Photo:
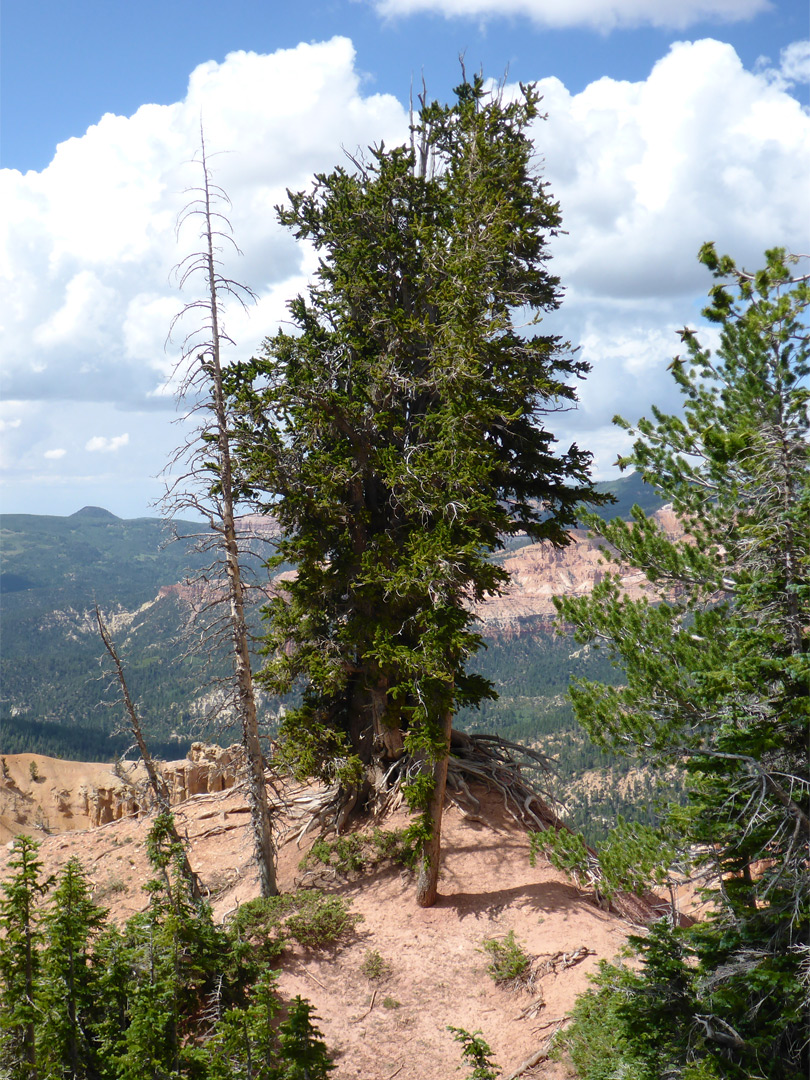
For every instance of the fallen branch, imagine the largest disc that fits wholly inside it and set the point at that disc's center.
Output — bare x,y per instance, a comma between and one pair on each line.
557,1020
563,960
368,1010
531,1010
529,1063
538,1055
220,829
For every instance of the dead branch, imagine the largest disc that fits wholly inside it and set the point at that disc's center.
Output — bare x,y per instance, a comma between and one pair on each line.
532,1009
559,961
529,1063
156,780
538,1055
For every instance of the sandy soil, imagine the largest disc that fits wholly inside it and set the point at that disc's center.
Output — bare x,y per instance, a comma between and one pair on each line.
395,1026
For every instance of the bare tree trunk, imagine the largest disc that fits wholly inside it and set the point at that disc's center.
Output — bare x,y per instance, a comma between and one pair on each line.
428,880
222,520
156,781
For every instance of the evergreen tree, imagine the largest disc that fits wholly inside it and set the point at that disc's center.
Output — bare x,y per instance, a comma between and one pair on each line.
175,954
170,996
113,972
400,435
245,1040
718,679
303,1052
20,957
69,994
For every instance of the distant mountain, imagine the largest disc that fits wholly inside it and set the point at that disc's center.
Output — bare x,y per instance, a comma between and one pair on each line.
97,512
54,571
628,491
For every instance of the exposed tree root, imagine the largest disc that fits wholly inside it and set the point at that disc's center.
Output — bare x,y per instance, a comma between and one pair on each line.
498,763
490,760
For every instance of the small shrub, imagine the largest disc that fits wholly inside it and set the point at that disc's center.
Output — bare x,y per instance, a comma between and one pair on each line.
110,887
307,916
509,962
356,852
320,920
345,854
476,1052
374,966
393,844
391,1003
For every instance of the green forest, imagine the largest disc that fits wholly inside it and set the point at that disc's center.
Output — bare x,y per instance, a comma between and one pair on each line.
401,435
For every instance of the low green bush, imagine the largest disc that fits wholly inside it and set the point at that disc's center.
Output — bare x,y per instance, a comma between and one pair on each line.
476,1052
509,962
357,852
319,919
309,916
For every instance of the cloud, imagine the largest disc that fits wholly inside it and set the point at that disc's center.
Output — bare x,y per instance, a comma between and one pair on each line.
91,239
54,455
795,62
648,171
101,444
793,67
603,15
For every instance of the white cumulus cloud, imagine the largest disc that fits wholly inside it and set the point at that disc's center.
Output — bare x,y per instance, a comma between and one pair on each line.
646,172
104,445
55,455
601,15
795,62
90,241
793,66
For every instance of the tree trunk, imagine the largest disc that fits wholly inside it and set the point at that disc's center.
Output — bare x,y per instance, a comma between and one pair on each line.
388,741
264,846
427,882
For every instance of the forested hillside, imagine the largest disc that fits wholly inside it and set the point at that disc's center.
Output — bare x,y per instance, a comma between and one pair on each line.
54,688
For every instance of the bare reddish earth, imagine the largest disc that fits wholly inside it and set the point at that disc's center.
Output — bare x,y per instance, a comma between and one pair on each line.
395,1027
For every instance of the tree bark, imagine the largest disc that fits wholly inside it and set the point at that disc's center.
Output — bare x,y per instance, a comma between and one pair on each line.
428,880
387,737
264,846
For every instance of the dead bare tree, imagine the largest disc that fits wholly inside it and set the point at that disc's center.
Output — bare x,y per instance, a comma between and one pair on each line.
155,777
205,485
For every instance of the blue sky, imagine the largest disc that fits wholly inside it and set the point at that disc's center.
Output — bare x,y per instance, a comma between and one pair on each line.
65,63
659,136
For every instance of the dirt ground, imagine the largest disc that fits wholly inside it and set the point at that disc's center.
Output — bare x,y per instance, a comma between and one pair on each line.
436,976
